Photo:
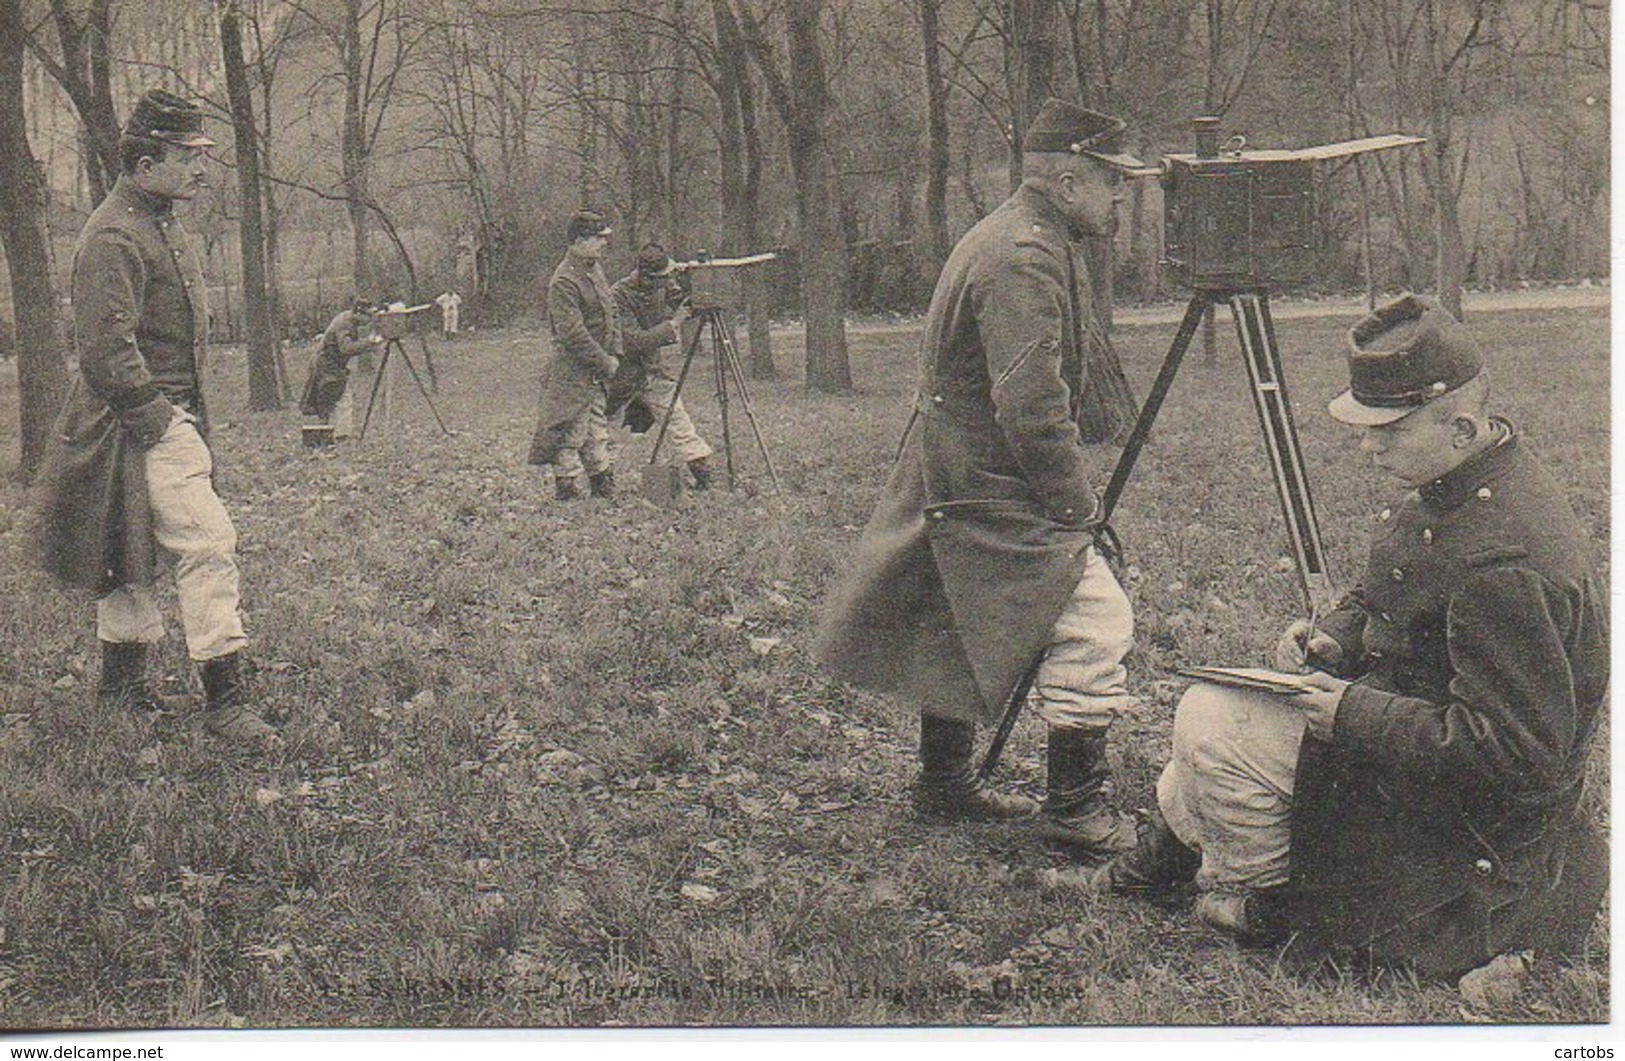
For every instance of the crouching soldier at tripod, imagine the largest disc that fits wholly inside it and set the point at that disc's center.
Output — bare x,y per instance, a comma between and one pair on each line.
327,394
981,556
1421,805
129,473
572,430
651,313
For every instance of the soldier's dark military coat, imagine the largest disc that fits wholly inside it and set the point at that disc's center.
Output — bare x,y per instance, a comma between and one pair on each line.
1438,826
140,329
329,372
586,352
978,542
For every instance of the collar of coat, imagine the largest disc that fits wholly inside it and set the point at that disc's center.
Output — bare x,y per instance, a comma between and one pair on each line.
140,202
1050,214
1465,479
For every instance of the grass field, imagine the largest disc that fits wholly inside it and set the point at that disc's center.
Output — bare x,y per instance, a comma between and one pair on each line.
571,764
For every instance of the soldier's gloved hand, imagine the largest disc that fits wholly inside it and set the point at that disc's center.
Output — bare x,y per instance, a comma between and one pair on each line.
1301,641
147,422
614,367
681,315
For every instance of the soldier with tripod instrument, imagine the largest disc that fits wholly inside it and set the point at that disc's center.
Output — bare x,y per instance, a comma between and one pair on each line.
651,308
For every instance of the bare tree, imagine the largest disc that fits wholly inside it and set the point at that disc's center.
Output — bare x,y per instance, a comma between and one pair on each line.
82,66
938,160
42,378
802,98
264,390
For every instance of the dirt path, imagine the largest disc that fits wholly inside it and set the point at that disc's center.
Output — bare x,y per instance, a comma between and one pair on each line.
1350,306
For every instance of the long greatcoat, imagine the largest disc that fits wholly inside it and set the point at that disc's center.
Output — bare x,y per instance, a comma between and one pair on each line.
586,352
140,329
978,540
1439,827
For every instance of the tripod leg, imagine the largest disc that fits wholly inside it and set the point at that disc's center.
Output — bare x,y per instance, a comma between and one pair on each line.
372,396
1194,312
421,389
718,366
1256,331
731,351
676,392
428,363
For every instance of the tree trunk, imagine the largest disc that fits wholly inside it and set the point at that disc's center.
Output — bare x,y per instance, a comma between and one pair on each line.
1029,71
85,74
741,160
823,252
938,159
42,376
353,151
258,332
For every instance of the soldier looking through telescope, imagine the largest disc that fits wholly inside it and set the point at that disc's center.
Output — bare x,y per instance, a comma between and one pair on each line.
651,309
327,394
978,574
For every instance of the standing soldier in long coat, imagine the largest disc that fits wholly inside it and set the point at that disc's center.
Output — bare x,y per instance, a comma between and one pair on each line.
572,431
129,472
980,561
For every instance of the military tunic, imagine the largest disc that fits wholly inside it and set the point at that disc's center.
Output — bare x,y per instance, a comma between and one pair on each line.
140,317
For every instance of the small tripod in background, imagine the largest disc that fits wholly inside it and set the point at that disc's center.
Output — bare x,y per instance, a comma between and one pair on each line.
710,280
392,327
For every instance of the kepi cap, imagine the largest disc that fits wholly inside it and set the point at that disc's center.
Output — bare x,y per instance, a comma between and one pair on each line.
1402,356
1067,128
584,223
654,261
164,116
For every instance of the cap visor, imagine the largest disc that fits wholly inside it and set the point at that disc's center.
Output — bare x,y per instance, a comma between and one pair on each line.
185,139
1346,409
1117,160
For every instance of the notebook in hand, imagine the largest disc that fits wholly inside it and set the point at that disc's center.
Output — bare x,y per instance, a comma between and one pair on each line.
1269,681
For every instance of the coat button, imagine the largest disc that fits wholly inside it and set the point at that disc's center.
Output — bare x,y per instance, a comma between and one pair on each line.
1427,536
1483,867
1387,617
1397,574
937,399
937,514
1385,515
1484,493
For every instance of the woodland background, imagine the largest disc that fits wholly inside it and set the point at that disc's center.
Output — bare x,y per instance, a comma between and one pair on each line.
403,147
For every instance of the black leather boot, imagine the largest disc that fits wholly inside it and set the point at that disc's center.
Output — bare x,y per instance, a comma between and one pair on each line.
948,789
567,489
602,484
1253,917
1159,861
226,713
700,469
1076,809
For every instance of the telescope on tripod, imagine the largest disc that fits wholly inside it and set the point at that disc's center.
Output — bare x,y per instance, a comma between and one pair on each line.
714,286
393,325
